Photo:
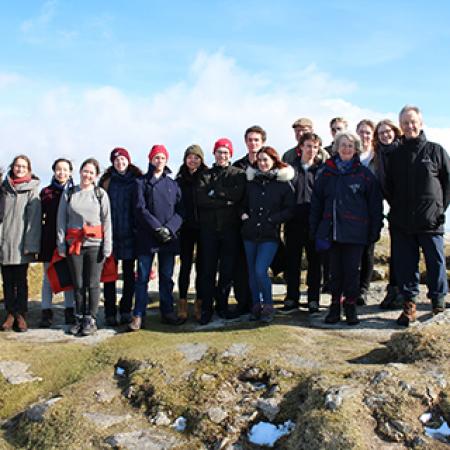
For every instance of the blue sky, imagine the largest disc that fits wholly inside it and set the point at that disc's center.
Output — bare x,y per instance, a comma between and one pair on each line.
78,78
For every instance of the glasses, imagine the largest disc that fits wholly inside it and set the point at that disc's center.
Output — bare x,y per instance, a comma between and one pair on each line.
20,166
336,130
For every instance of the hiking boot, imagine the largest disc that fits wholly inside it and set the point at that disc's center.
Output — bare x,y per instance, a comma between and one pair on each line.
205,317
351,317
88,326
393,298
21,323
75,328
267,313
135,324
289,307
171,319
198,309
125,318
313,307
334,313
8,323
69,316
46,318
438,305
361,300
408,314
111,321
256,312
182,309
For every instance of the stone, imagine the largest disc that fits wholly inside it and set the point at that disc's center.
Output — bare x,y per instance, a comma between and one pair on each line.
36,412
207,378
378,274
269,407
144,440
104,396
236,350
217,414
302,363
380,376
16,372
161,419
105,420
193,352
333,401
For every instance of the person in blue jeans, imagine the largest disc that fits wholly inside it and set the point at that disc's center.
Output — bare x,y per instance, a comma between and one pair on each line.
269,202
158,220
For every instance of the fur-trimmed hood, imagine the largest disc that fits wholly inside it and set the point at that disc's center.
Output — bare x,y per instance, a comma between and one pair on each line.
284,174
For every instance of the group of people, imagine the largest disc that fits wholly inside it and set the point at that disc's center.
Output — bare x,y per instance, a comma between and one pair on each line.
233,222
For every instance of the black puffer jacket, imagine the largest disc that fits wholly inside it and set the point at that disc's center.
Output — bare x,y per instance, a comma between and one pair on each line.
269,202
220,194
418,186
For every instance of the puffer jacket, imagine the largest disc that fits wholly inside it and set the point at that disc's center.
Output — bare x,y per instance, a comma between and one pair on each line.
418,186
158,204
346,207
121,192
269,202
21,227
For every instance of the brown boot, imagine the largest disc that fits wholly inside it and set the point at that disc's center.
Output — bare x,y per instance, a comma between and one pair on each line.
21,323
8,323
198,309
182,309
135,324
408,314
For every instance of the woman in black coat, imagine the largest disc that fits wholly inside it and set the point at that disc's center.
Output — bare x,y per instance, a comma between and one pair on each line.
269,202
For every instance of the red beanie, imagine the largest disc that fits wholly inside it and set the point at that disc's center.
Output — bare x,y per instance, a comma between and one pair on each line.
119,151
158,149
223,142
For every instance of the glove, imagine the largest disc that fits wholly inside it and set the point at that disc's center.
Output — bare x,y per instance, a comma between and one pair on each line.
163,235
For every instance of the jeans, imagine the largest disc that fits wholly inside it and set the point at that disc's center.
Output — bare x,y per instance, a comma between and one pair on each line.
47,294
15,288
166,263
406,253
86,269
109,290
259,256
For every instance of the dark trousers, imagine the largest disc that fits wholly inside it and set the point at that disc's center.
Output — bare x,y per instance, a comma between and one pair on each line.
325,266
86,269
392,278
15,288
366,267
241,284
189,244
298,240
218,252
345,260
109,290
406,252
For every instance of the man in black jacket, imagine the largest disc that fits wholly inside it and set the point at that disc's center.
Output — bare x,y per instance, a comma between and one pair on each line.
220,193
418,190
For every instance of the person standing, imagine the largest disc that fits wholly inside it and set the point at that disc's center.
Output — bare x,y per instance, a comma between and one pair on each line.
119,181
50,197
337,125
158,221
418,191
220,193
21,239
84,236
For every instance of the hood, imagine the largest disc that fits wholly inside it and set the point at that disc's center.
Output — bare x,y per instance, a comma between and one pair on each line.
284,174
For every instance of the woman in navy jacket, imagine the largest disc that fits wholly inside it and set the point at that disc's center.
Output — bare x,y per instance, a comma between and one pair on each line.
269,202
346,215
158,220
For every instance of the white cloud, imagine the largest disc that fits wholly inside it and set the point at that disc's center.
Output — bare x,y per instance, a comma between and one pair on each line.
217,99
45,16
9,79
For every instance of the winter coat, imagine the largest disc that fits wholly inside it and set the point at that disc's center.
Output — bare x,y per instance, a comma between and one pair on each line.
269,202
121,192
21,228
220,194
418,186
291,155
189,183
158,204
242,163
50,197
346,207
382,155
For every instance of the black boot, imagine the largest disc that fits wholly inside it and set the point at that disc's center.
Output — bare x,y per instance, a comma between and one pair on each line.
69,316
334,313
46,318
362,298
393,299
351,316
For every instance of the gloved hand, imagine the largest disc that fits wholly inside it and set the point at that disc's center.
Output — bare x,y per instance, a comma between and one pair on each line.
163,235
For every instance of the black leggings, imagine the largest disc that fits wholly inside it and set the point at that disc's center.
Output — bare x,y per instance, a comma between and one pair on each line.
86,269
189,239
15,288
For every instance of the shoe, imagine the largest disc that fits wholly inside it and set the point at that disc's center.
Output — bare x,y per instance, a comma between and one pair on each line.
21,323
111,321
289,307
198,309
46,318
69,316
408,314
393,298
313,307
438,305
171,319
125,318
256,312
361,300
8,323
135,324
334,313
75,329
182,309
205,317
89,326
351,316
267,313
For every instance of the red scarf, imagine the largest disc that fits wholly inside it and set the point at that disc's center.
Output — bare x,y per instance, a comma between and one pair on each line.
16,181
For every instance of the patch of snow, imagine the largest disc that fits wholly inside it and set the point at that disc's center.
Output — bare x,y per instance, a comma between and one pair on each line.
180,424
266,433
